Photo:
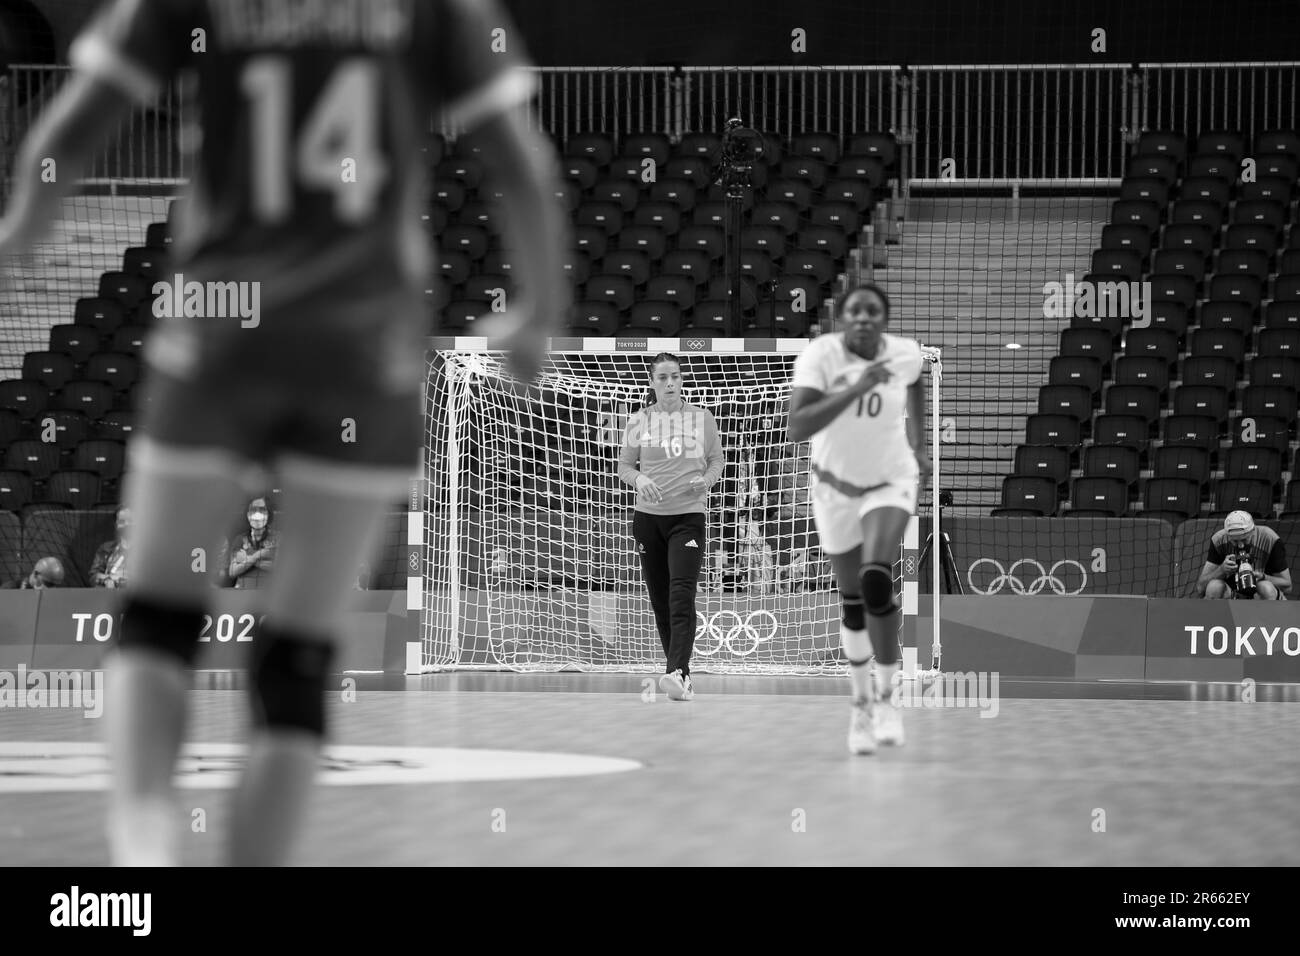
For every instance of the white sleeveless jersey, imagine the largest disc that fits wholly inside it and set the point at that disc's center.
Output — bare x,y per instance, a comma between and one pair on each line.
866,446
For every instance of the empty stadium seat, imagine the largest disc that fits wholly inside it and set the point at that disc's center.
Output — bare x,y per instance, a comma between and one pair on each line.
1153,343
1142,370
649,240
157,236
1141,401
1213,370
70,428
102,315
677,192
1164,143
1262,432
597,147
1269,401
1236,317
1264,464
1193,237
1281,371
1133,238
1201,400
76,489
700,145
51,369
26,398
665,217
779,319
11,426
129,290
1198,431
1029,494
117,370
37,459
1148,190
677,289
148,263
619,291
661,319
1044,461
1059,430
15,490
1279,342
595,319
1087,343
657,146
633,264
1110,461
1171,498
1074,401
1185,461
1075,370
1217,343
1244,494
710,240
1185,262
77,341
1100,497
1130,430
880,145
1152,166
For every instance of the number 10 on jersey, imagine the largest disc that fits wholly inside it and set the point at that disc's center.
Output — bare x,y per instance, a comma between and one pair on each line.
872,404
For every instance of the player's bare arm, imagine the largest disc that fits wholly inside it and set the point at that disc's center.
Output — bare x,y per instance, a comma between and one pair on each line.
916,425
527,177
811,411
55,154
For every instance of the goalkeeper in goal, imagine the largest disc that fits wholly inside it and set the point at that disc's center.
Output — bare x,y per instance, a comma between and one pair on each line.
672,455
857,394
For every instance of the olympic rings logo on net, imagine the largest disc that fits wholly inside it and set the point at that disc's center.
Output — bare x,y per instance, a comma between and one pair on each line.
1009,578
725,629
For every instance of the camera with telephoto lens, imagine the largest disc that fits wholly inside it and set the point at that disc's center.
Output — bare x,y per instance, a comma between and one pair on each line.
1244,579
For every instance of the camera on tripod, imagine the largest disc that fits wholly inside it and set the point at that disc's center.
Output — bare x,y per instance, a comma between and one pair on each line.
1244,580
742,147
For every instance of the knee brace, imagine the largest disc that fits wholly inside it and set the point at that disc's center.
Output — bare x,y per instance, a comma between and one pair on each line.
851,615
877,581
288,681
172,631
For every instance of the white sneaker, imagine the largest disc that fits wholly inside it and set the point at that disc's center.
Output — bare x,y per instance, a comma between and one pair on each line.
673,685
862,734
888,724
688,689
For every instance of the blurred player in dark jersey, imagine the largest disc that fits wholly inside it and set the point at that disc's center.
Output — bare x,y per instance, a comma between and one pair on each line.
290,334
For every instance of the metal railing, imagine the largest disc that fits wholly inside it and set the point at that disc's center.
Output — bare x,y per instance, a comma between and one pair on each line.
148,148
1013,121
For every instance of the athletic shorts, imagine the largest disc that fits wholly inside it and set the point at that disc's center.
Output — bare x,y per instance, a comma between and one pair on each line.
839,517
315,401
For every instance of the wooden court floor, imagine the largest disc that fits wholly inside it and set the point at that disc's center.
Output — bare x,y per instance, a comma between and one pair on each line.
753,772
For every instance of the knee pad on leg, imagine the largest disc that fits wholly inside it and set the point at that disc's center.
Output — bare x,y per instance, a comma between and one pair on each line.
877,582
164,629
851,613
288,680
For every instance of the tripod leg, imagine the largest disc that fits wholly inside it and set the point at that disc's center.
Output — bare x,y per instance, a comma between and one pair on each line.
950,565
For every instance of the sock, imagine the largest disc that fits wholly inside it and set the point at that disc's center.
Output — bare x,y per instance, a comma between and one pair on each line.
857,648
885,680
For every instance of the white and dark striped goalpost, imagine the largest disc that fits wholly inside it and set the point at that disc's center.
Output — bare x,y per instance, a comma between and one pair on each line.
912,546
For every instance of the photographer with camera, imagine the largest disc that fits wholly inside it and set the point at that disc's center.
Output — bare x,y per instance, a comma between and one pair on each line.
1244,562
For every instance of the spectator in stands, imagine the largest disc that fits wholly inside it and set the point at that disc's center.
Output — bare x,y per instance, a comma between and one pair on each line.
253,553
108,569
1245,562
47,573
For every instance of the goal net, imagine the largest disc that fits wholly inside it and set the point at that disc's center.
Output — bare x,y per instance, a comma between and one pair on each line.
529,561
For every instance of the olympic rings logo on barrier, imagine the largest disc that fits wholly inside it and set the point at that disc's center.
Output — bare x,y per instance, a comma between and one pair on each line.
1009,579
723,629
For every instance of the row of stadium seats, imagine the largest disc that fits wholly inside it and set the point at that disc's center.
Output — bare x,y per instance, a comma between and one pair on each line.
1170,499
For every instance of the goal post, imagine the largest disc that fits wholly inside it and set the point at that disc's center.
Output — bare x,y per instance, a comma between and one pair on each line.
528,560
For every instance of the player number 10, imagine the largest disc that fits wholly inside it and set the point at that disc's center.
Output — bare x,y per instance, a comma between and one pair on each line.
873,402
341,124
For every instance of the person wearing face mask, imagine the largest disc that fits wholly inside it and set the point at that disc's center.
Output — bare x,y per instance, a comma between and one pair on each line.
108,569
253,552
47,573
